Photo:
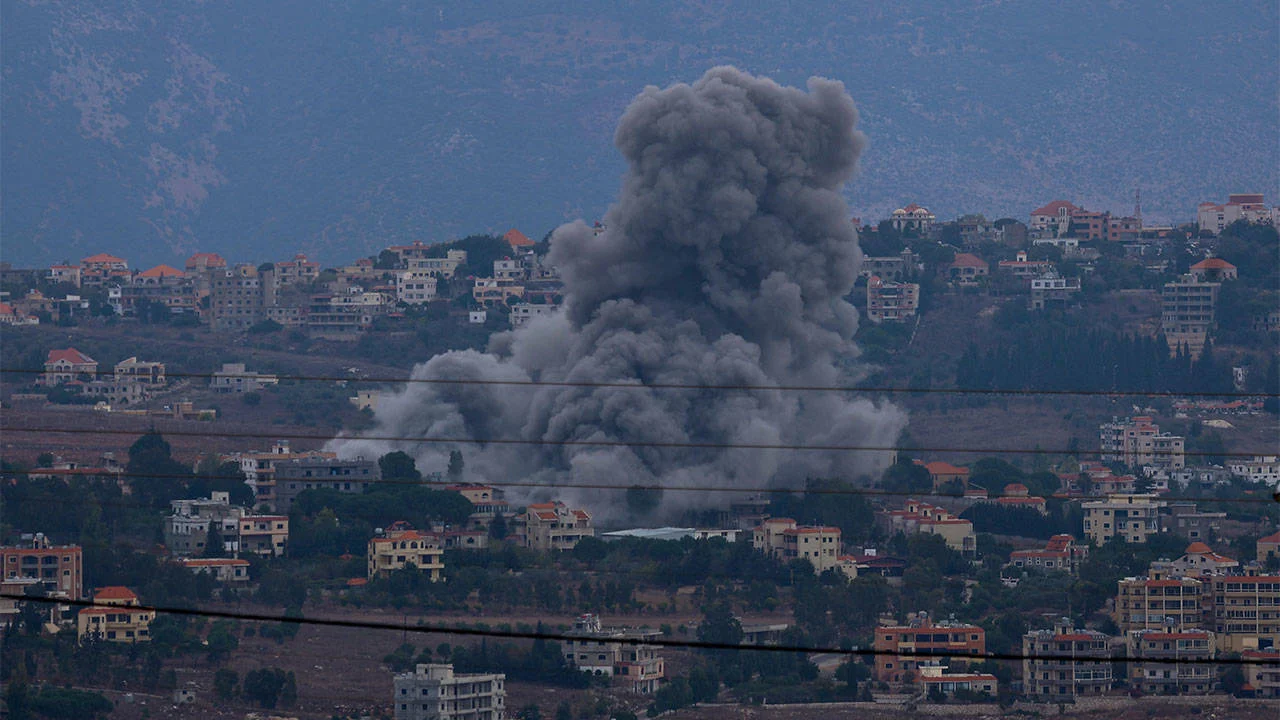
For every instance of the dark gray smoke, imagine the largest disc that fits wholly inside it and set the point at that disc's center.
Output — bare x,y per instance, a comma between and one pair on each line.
725,261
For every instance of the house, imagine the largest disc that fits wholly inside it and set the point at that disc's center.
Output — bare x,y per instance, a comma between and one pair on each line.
1053,219
259,468
1061,553
203,262
921,635
234,378
1066,662
263,534
517,240
1052,290
415,287
124,622
98,270
1138,442
943,473
1259,468
1023,268
1262,672
63,366
1157,601
224,570
1017,495
487,504
1214,270
912,218
402,547
891,268
523,313
594,649
552,526
891,301
69,274
1153,667
967,270
1269,549
1186,520
490,291
58,568
1250,207
922,517
1198,561
443,267
1131,517
935,680
783,539
143,372
192,521
434,692
297,271
295,476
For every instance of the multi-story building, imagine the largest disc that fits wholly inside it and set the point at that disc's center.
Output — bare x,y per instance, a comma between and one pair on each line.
415,287
1052,290
1138,442
1187,310
891,268
783,539
1133,518
922,517
434,692
891,301
1262,671
1214,269
63,366
402,547
186,530
967,270
552,526
1244,611
1066,662
522,313
1157,661
1061,553
490,291
898,647
102,269
69,274
619,653
259,468
235,298
1156,602
143,372
225,570
297,271
1250,207
487,504
124,622
292,477
1186,520
913,218
1199,561
162,285
263,534
235,378
1024,268
1259,468
58,568
1268,549
1054,219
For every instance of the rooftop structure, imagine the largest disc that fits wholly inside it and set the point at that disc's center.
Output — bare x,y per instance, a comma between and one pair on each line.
434,692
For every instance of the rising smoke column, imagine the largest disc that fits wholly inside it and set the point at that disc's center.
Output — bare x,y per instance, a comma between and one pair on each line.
725,261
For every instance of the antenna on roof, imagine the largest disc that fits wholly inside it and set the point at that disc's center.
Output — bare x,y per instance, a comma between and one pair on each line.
1137,203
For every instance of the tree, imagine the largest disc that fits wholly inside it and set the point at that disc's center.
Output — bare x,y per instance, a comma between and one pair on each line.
214,545
156,476
263,686
456,464
225,682
399,465
498,528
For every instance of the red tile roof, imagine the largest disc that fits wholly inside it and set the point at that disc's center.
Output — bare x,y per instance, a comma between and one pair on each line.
968,260
210,260
939,467
1213,263
1273,538
1198,548
6,309
114,592
516,239
162,271
70,355
102,258
1053,207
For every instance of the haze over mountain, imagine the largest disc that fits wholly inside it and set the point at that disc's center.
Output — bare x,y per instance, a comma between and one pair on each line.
255,130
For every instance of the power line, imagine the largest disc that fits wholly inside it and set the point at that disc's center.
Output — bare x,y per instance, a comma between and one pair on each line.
425,482
638,385
630,443
656,642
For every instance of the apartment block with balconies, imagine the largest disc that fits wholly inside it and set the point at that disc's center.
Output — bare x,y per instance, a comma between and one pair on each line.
1157,661
1066,662
434,692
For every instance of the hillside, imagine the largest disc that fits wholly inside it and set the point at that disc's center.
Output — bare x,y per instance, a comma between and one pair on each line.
151,129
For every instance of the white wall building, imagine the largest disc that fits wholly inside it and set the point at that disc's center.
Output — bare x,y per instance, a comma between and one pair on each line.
434,692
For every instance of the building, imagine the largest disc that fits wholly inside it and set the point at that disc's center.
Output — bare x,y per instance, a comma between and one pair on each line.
1269,550
400,548
1053,219
967,270
292,477
263,534
1214,270
297,271
491,291
236,297
1187,313
234,378
783,539
1052,290
1023,268
487,504
912,218
1186,520
921,635
224,570
1244,611
124,622
1066,662
1156,602
101,269
1133,518
442,267
943,473
552,526
1262,672
1138,442
58,568
259,468
892,268
518,241
1017,495
934,680
69,274
891,301
1250,207
434,692
1259,468
144,372
522,313
1062,553
922,517
1154,667
63,366
618,653
415,287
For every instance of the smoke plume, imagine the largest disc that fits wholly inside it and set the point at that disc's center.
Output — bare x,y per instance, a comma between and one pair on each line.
725,261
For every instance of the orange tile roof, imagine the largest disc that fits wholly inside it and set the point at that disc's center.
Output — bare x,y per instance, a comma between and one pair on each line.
71,355
939,467
102,258
1198,548
516,239
1053,207
1273,538
542,506
114,592
161,271
968,260
6,309
1213,263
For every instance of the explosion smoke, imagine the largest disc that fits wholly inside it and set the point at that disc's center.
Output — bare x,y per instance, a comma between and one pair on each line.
725,261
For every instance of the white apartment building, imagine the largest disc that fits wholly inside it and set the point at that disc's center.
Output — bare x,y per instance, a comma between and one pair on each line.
614,652
1214,217
1132,517
434,692
524,312
415,287
1259,468
1138,442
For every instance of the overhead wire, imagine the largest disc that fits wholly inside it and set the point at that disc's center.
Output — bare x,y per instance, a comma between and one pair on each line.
586,384
623,640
